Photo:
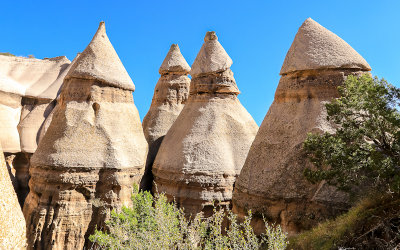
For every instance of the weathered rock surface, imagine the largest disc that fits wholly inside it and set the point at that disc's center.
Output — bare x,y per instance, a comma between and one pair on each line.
92,153
272,181
205,148
27,88
18,165
12,222
53,89
170,95
10,114
315,47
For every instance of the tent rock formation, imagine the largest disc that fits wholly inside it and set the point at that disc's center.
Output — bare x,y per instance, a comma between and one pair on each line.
272,181
205,148
170,95
92,153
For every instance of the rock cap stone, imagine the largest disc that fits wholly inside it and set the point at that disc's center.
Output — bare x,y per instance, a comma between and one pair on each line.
211,58
100,61
174,62
315,47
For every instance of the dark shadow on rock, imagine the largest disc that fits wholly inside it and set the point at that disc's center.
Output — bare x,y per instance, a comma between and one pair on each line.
147,181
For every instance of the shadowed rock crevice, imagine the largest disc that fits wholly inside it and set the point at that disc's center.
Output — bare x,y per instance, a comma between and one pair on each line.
12,223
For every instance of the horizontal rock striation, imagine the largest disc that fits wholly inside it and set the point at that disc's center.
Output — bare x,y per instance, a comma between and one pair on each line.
27,89
205,148
94,150
170,96
272,181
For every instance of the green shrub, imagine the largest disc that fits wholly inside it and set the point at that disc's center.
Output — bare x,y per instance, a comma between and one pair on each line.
365,150
153,223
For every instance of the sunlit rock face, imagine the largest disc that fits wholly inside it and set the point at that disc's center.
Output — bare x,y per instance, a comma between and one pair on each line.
12,222
272,181
27,89
170,96
205,148
94,150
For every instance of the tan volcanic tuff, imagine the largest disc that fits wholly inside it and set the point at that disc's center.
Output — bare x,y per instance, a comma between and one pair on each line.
35,114
27,86
89,158
28,78
272,181
12,222
170,95
315,47
205,148
45,125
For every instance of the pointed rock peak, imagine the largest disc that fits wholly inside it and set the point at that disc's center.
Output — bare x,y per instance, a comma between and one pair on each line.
99,61
174,62
211,58
315,47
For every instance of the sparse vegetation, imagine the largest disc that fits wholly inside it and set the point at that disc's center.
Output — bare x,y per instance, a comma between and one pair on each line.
153,223
6,54
363,153
365,150
374,223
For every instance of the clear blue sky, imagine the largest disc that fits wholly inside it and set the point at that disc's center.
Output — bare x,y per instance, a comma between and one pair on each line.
256,35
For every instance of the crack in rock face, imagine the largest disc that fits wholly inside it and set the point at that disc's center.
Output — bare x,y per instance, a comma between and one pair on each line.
12,222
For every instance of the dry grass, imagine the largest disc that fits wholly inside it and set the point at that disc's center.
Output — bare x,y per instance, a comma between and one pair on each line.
6,54
372,224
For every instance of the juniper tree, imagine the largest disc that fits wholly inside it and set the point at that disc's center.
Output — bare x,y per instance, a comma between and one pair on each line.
365,149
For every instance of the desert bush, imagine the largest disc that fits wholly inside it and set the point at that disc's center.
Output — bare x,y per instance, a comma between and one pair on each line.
154,223
365,150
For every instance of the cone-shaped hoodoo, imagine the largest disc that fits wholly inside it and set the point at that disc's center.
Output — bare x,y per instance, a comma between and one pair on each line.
170,95
272,181
92,153
205,148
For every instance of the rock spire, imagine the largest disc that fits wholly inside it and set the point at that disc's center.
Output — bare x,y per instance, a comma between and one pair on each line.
92,153
170,96
272,181
205,148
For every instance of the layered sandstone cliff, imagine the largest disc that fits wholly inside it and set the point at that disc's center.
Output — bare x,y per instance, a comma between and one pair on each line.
170,96
12,222
272,181
92,153
27,89
205,148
